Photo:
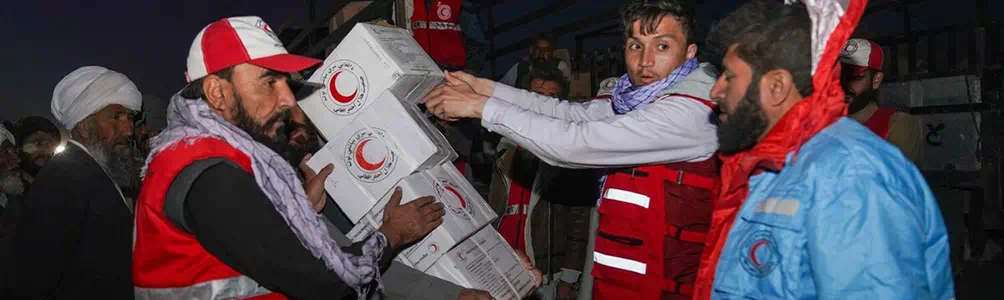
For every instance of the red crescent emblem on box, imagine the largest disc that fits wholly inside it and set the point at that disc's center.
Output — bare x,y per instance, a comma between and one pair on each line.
463,202
361,160
339,97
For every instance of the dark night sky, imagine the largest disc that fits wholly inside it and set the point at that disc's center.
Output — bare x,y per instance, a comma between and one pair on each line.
149,40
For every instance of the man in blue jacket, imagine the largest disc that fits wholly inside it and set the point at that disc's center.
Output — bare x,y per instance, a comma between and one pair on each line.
813,205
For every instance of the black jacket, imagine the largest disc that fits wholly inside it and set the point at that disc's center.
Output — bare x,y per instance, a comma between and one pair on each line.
236,222
73,236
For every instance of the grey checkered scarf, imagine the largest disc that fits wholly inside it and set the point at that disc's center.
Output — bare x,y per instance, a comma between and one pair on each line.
191,119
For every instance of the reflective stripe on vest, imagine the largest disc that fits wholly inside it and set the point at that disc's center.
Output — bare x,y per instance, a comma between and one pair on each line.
238,287
640,226
163,255
436,25
619,262
627,197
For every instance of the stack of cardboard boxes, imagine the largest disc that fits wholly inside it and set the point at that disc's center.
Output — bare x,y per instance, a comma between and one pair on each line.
378,139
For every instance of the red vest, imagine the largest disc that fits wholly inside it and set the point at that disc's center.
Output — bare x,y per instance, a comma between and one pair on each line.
879,122
652,227
438,30
169,263
513,220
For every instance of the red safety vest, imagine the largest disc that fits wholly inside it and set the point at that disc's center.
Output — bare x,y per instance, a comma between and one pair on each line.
438,31
513,220
652,227
169,263
879,122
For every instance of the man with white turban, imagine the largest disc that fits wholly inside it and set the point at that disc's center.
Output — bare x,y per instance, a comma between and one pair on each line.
73,238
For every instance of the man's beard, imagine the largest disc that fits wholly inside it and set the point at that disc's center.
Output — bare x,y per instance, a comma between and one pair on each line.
11,183
862,100
297,150
259,132
743,127
123,166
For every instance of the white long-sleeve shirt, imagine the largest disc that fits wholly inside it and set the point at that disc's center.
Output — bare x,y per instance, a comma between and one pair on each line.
591,135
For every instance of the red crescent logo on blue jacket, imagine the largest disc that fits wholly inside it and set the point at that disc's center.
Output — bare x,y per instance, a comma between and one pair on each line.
761,255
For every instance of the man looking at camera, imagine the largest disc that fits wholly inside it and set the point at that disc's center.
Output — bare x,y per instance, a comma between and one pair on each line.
222,215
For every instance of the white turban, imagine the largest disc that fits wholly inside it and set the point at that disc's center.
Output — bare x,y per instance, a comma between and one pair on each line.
89,89
6,136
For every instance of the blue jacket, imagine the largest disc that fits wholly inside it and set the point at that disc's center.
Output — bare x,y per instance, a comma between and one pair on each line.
849,218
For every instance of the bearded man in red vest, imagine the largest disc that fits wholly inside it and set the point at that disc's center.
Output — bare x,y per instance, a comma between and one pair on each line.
221,215
862,77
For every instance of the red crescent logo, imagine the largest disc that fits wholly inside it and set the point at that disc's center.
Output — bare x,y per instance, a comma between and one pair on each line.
434,248
463,203
753,252
337,95
366,165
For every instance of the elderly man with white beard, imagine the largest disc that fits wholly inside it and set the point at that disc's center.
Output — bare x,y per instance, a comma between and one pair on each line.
73,238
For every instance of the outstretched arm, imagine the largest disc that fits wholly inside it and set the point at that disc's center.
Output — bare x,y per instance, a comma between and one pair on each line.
552,107
674,129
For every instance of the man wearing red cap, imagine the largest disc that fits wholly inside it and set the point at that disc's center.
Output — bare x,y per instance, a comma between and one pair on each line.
862,76
221,214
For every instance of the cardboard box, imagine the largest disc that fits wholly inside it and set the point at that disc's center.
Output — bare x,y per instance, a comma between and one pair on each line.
485,262
466,213
386,142
580,86
370,60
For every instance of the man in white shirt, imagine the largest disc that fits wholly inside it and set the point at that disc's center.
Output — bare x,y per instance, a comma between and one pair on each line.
657,122
541,57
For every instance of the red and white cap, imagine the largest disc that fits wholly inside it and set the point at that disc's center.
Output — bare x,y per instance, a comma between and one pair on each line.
233,41
862,54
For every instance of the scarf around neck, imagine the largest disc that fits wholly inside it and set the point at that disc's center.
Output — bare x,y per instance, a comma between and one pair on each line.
191,119
627,97
833,22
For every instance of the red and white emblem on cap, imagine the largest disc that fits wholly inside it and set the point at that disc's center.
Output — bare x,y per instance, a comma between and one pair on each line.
368,156
862,54
444,12
237,40
849,49
454,198
264,26
347,87
433,248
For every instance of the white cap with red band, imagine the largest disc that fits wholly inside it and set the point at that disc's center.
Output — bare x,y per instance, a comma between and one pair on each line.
233,41
863,54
